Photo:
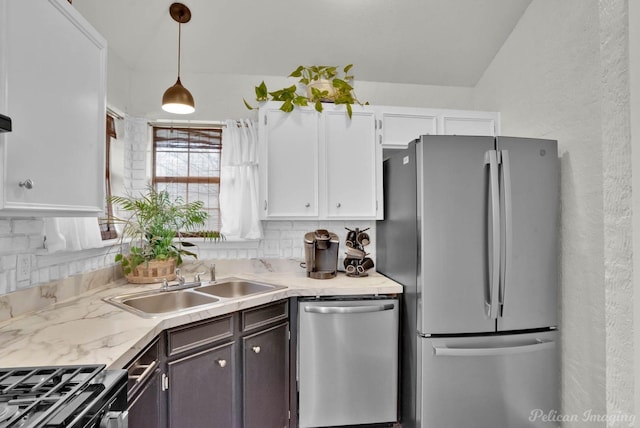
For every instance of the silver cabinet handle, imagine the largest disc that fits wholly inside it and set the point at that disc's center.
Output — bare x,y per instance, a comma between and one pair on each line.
348,309
221,363
27,184
256,349
307,205
338,205
538,345
142,376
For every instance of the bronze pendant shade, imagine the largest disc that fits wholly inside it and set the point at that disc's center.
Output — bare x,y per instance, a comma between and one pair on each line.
177,99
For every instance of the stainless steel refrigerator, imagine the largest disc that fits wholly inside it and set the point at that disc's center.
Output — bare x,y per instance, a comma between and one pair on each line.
470,230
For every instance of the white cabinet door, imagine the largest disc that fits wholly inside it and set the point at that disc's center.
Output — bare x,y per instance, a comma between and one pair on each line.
289,163
351,158
397,126
401,126
52,85
319,165
470,123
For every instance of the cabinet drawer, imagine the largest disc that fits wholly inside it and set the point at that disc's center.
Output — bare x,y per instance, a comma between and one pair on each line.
193,336
262,315
142,367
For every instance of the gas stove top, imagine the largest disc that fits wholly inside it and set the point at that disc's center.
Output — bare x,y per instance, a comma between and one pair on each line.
61,396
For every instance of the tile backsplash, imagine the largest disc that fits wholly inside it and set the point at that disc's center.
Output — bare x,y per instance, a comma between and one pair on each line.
22,239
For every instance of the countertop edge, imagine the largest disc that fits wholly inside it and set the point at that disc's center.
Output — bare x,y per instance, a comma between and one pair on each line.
88,330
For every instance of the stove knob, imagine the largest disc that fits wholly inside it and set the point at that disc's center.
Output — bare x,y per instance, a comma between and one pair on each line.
115,420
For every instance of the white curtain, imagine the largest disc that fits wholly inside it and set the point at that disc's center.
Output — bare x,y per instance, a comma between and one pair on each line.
239,181
71,234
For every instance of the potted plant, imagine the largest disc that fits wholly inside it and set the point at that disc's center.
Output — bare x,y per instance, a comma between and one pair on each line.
155,224
320,83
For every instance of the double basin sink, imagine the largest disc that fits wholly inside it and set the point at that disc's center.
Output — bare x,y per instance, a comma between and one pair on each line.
149,304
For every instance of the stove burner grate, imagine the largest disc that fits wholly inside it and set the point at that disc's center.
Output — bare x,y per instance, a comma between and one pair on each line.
7,411
33,394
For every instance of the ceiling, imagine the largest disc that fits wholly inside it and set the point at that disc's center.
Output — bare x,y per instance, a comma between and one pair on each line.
431,42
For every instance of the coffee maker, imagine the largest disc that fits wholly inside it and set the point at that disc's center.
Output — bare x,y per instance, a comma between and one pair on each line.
321,254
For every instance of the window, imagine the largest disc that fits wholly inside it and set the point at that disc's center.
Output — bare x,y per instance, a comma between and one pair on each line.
186,163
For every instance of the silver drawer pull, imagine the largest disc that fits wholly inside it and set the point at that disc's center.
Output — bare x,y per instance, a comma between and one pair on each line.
221,363
256,349
147,369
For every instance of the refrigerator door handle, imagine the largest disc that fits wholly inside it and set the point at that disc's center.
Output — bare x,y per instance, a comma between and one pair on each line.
493,245
508,225
348,309
538,345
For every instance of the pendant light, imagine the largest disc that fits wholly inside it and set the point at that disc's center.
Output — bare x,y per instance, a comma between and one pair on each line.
177,99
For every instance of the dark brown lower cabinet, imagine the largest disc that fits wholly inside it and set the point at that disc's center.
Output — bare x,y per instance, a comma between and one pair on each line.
231,371
266,378
145,408
201,387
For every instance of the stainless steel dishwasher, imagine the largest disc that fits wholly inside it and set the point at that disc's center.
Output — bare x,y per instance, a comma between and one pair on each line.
347,362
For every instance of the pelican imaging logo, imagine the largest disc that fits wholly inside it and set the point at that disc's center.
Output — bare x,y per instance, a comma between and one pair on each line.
588,416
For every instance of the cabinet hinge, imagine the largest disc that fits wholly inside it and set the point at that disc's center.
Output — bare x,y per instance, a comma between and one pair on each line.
288,334
165,382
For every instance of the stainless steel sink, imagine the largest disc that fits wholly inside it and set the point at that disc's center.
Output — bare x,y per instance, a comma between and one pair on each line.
150,304
233,288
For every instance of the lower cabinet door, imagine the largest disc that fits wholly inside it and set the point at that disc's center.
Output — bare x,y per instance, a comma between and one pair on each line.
201,389
265,380
145,409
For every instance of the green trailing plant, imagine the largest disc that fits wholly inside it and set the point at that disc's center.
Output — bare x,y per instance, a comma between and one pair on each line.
341,92
155,224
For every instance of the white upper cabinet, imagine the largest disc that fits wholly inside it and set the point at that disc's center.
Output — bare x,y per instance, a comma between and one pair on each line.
353,159
52,85
327,166
289,161
397,126
319,165
470,123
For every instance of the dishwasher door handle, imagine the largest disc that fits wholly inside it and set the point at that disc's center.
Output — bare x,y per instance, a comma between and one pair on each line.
348,309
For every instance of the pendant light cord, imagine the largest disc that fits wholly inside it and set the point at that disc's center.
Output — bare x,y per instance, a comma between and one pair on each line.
179,43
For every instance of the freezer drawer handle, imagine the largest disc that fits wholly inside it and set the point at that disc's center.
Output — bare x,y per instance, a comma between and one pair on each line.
348,309
540,345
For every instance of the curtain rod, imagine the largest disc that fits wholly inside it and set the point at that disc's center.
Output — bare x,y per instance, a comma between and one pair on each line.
192,123
186,123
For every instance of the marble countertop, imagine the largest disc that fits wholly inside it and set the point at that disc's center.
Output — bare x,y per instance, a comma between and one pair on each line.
87,330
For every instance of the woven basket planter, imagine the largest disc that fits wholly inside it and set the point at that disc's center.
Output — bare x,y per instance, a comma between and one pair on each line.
153,271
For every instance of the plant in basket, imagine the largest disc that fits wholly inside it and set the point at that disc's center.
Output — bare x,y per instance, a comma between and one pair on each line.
154,225
318,83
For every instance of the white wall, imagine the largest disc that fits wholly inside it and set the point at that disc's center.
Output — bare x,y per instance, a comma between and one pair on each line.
562,75
219,97
634,73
